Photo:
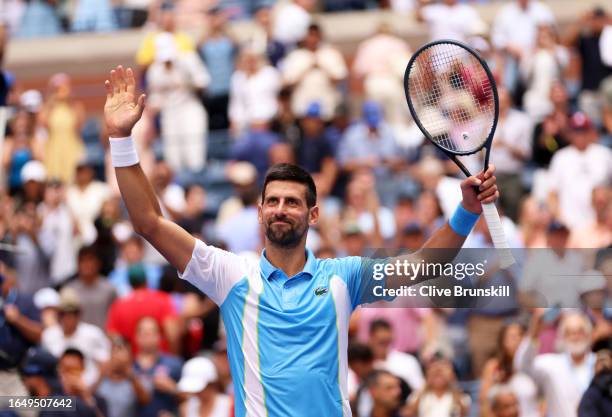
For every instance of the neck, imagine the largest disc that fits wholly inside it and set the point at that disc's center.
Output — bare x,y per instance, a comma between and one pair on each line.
578,358
290,260
379,411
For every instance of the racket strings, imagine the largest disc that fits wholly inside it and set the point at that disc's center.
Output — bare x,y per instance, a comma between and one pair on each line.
453,97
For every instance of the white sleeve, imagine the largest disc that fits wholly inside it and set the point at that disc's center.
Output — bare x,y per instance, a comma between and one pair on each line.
214,271
605,45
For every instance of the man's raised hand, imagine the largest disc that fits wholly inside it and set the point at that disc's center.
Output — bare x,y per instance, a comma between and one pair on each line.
122,109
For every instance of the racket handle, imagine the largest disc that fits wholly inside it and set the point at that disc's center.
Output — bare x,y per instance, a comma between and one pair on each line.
497,235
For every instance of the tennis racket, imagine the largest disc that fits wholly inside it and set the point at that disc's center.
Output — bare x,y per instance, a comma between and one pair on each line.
452,97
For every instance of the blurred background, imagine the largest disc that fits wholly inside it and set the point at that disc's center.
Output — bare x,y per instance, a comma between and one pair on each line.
89,309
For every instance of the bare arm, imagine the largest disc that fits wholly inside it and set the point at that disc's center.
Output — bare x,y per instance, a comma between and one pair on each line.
476,190
121,112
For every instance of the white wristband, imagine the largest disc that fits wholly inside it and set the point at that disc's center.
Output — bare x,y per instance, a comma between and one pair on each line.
123,152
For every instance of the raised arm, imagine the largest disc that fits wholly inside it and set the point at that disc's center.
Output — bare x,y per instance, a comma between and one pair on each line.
121,112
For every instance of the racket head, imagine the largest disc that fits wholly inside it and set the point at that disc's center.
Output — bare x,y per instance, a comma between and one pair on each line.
452,97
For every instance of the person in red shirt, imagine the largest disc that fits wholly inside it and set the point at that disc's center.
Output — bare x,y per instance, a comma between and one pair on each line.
125,313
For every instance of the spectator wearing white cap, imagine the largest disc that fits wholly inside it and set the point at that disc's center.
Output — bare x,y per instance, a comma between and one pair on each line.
290,21
47,300
198,382
33,178
176,81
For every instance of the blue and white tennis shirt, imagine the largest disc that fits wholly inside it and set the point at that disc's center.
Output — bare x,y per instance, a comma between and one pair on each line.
286,338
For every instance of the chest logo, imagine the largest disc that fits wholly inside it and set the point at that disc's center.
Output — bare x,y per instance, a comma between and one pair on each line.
321,291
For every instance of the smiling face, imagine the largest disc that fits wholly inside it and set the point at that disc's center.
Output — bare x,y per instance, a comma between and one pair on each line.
285,215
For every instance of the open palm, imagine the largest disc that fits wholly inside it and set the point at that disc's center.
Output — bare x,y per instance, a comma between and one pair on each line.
122,108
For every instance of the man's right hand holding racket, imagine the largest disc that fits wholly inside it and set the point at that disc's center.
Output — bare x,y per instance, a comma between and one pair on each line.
122,110
479,189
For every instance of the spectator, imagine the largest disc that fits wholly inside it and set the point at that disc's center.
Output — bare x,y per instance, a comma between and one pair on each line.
20,329
403,365
39,19
198,381
449,20
599,233
540,69
597,400
132,255
85,198
118,384
72,332
550,134
412,237
314,151
534,219
47,301
440,397
39,372
105,243
218,51
263,39
166,23
157,372
565,376
94,16
57,233
171,195
71,368
370,144
386,392
361,365
254,147
33,178
363,209
175,82
512,151
254,89
503,402
194,216
94,291
499,371
291,20
576,170
513,33
380,62
313,72
32,258
585,37
125,313
63,117
22,146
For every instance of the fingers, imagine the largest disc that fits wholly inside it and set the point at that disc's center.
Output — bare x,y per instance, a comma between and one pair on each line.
109,89
130,81
114,82
471,182
488,194
140,105
121,79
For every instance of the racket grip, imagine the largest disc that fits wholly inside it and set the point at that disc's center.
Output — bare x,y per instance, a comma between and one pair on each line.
497,235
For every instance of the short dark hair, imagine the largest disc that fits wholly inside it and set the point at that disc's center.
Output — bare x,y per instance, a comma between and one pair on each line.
73,352
294,173
89,250
380,324
358,352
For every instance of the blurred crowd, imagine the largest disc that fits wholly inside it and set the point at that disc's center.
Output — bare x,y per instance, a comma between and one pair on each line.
89,309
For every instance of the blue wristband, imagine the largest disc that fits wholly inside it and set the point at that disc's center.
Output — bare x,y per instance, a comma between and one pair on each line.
462,221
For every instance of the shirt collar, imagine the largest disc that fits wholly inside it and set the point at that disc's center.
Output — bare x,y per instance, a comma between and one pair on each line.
268,269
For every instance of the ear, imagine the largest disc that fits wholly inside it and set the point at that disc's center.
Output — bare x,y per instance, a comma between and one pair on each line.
259,214
313,216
